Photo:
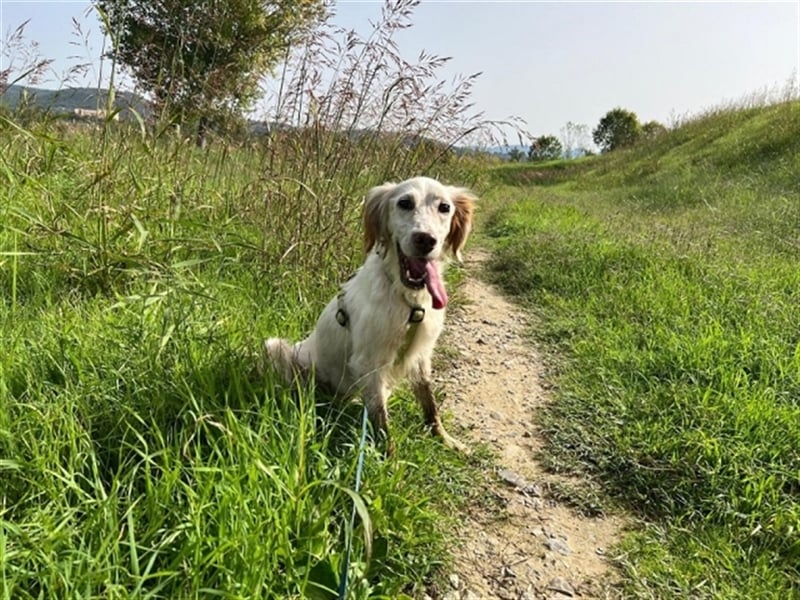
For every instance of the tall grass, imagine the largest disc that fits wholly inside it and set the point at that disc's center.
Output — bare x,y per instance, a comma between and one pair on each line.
140,453
668,278
22,60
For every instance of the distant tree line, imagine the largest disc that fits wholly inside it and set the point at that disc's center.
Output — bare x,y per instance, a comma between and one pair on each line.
618,128
201,62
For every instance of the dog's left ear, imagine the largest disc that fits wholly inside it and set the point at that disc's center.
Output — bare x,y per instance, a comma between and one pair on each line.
461,225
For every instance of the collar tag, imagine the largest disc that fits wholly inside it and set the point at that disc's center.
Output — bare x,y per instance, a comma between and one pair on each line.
417,314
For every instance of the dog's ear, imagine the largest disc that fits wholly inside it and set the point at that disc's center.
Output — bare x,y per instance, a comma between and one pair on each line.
461,224
375,208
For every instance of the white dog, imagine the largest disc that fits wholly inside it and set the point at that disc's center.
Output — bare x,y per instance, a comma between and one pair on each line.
384,323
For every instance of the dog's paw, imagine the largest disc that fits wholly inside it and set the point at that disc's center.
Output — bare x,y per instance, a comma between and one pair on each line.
455,444
451,442
277,354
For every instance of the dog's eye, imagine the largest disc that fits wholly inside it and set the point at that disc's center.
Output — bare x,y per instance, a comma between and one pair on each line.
444,208
406,203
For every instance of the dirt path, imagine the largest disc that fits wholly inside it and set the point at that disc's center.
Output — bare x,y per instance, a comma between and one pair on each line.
536,547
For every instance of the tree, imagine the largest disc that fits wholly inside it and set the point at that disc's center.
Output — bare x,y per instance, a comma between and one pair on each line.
201,60
545,147
617,129
575,139
653,129
515,154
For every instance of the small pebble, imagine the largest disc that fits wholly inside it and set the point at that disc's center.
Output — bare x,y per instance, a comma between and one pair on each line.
557,545
561,585
455,583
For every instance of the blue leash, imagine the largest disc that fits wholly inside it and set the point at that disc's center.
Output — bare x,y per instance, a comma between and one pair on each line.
359,470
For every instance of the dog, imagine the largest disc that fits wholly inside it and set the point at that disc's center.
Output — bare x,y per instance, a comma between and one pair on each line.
383,325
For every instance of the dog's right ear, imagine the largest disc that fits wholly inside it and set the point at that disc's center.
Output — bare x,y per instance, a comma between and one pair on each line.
375,209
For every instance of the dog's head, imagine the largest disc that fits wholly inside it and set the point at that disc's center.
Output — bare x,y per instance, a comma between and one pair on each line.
421,220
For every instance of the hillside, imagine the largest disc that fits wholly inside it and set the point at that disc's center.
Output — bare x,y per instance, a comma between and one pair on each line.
66,100
665,283
757,144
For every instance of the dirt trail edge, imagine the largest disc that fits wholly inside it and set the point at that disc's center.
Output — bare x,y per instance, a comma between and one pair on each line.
536,548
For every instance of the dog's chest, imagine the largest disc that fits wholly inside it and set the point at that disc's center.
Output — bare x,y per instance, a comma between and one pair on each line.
409,340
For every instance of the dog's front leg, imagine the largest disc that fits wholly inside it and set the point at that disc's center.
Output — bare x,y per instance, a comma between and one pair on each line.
423,392
376,397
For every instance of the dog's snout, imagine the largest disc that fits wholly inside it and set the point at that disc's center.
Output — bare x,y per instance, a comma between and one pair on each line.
423,242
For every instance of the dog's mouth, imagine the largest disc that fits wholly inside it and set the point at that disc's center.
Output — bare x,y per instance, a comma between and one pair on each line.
417,273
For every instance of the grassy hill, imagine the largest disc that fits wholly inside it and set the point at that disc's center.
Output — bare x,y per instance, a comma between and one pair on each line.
666,282
66,100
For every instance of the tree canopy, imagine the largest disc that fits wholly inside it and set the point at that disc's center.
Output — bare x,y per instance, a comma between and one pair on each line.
653,129
545,147
202,60
617,129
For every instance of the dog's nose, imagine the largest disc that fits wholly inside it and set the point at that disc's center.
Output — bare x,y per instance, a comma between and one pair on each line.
423,242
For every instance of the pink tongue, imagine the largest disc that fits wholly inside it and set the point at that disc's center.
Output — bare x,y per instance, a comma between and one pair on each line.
434,285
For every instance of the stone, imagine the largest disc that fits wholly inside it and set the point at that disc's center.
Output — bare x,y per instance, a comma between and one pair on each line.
534,503
511,478
455,582
507,573
532,490
561,585
557,545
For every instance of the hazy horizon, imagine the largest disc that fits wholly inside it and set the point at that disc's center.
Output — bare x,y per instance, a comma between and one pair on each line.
546,62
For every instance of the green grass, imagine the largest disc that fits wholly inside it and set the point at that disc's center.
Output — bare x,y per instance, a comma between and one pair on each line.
666,278
141,455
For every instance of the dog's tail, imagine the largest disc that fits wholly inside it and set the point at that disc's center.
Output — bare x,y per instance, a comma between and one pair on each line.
285,360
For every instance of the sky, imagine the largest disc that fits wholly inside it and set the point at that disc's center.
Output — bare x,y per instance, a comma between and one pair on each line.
548,62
